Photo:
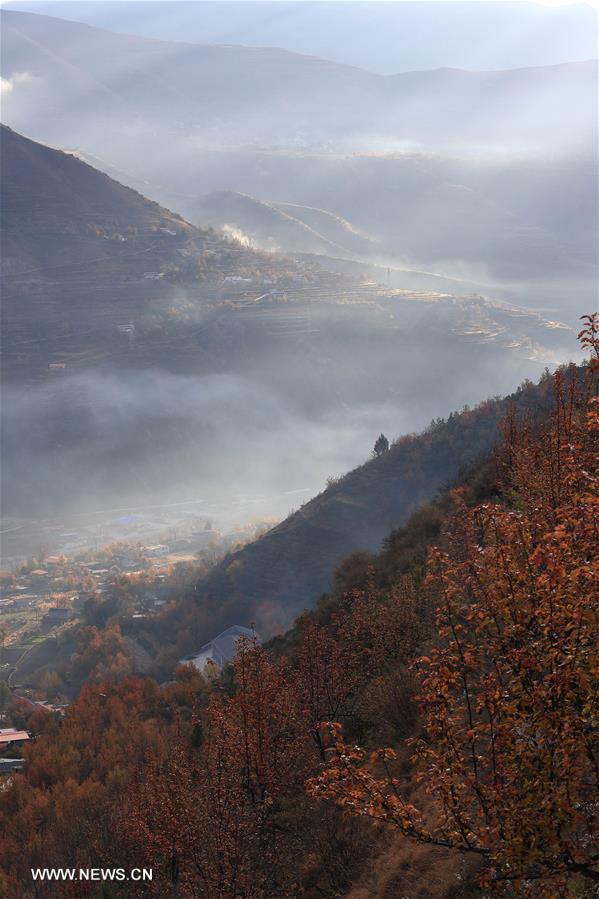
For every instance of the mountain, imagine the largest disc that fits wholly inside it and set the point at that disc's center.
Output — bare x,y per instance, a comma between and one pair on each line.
83,254
485,176
57,72
57,210
85,258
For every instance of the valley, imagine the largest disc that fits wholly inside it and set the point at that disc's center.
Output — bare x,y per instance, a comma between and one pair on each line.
299,539
135,344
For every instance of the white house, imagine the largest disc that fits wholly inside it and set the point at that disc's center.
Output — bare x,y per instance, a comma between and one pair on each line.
219,650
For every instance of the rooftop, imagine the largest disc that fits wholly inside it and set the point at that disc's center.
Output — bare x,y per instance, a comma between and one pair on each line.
11,734
220,649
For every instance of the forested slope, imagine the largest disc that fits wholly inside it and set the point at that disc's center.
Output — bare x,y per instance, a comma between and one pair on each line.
430,731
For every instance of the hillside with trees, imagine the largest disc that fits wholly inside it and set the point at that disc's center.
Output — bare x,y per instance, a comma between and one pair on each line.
299,438
323,547
429,729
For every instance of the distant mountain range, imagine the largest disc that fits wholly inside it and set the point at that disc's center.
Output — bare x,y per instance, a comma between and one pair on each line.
82,254
81,86
489,177
380,36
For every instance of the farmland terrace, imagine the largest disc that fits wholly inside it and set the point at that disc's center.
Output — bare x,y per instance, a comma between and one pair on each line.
68,320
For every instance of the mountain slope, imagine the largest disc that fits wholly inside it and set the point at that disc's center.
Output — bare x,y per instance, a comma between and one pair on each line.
285,571
83,255
50,198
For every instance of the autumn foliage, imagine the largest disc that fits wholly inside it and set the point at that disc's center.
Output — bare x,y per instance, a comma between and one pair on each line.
509,695
476,665
214,820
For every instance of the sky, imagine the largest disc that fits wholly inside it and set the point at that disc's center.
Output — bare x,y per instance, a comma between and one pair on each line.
593,3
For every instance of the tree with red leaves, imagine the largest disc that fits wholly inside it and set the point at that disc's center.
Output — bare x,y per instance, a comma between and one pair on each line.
509,694
213,821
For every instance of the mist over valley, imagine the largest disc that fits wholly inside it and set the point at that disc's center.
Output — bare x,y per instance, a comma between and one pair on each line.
148,361
227,267
298,431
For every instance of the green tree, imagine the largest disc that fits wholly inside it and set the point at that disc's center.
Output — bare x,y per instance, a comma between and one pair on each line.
381,445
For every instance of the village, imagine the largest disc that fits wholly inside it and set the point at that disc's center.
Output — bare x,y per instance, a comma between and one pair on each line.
44,597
